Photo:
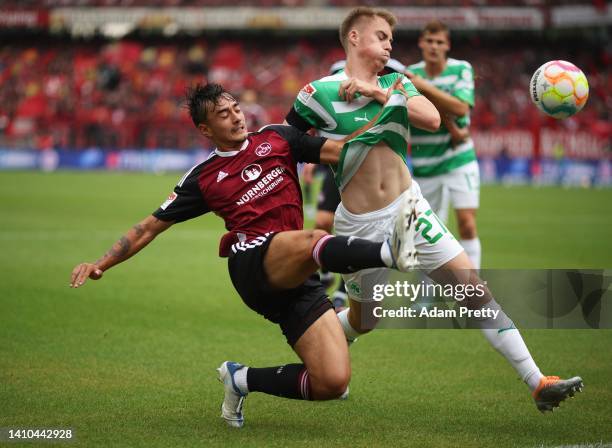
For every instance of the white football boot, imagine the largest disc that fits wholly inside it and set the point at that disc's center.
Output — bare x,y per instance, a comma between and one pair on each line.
231,409
401,243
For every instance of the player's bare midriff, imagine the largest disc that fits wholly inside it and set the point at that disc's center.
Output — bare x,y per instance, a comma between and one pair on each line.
380,179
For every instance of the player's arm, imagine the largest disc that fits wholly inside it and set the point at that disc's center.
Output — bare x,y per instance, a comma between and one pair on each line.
185,202
458,135
423,114
129,244
350,87
446,103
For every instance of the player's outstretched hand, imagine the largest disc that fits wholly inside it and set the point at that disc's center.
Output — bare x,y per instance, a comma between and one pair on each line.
82,272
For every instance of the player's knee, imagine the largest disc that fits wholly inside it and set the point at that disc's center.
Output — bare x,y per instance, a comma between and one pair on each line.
467,227
332,384
314,236
317,234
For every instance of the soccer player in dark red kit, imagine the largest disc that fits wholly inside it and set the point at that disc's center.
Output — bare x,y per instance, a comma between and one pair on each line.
251,181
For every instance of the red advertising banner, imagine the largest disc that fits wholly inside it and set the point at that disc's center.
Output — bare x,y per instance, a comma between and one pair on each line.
23,18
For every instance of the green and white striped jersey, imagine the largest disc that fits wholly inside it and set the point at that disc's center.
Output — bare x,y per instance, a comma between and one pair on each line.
319,104
432,152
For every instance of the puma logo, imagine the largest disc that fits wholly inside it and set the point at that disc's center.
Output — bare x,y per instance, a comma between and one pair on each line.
364,118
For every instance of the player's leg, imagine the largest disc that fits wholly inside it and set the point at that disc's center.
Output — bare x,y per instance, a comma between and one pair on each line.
324,220
294,256
396,222
464,189
307,320
324,351
358,318
503,335
446,263
328,201
324,373
434,189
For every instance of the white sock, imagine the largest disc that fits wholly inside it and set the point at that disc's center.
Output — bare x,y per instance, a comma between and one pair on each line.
506,339
472,249
385,254
240,378
349,332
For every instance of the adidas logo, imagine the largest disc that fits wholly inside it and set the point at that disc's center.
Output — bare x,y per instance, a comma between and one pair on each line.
222,175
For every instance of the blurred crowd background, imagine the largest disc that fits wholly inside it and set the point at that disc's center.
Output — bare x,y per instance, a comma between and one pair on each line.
74,93
192,3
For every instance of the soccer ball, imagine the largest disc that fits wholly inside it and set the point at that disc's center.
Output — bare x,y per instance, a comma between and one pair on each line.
559,89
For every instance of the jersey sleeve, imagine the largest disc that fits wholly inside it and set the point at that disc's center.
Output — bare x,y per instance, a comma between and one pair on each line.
185,202
308,108
304,147
411,90
464,88
296,120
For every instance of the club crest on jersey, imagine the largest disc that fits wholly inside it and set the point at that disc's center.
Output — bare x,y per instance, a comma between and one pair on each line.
251,172
169,201
264,149
307,91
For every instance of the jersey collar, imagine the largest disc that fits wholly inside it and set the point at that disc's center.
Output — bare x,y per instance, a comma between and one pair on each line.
232,153
342,76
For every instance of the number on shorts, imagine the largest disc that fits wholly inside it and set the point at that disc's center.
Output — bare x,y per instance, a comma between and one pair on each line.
427,226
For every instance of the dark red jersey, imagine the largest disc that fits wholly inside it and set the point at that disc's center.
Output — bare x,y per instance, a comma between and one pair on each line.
255,189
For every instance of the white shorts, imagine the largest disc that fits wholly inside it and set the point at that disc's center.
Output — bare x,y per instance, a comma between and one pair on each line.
461,187
434,243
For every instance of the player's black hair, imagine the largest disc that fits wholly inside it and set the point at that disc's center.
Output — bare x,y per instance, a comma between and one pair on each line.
200,98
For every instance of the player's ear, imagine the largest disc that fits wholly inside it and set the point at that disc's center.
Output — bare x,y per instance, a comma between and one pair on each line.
420,43
353,37
205,130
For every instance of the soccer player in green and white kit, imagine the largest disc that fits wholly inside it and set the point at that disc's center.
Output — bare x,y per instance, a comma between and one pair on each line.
374,182
444,162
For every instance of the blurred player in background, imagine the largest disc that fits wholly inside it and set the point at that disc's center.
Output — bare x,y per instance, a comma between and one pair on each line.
374,180
251,182
444,162
254,114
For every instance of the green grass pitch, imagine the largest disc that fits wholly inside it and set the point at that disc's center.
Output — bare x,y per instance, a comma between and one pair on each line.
130,360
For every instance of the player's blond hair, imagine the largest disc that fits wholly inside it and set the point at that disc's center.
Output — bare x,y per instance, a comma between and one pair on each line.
356,14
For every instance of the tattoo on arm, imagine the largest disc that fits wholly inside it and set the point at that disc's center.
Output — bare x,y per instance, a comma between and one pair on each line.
138,229
120,248
138,236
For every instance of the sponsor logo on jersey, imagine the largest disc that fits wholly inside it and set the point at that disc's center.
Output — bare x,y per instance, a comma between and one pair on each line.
169,201
251,172
264,149
222,175
263,186
307,91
